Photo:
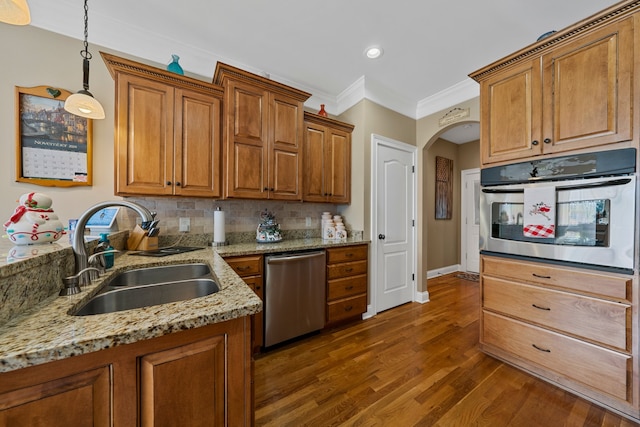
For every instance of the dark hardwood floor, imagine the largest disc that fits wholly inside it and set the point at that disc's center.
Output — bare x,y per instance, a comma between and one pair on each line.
414,365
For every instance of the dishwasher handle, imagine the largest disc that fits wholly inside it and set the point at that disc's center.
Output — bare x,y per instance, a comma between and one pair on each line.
287,258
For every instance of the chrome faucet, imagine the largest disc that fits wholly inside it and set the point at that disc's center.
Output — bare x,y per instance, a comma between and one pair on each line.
80,250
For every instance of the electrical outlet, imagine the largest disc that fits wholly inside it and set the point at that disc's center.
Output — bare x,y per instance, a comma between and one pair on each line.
308,221
185,224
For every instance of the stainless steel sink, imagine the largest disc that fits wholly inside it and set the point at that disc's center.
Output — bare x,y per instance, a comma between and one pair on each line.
145,287
164,273
147,295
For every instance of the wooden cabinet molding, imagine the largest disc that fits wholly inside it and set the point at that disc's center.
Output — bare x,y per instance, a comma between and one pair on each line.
168,131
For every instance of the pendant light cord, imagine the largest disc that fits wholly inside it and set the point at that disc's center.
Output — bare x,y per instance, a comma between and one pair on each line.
85,53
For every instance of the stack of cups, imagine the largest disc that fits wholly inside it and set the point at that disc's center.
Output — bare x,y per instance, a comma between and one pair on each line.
328,227
341,231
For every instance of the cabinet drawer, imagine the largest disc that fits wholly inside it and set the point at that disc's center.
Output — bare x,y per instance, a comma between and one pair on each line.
346,308
589,281
246,265
346,287
347,253
591,318
346,269
596,367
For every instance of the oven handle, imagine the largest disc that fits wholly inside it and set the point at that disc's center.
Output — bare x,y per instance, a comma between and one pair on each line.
612,183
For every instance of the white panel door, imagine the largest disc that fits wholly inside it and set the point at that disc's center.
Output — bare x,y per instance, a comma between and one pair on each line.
395,245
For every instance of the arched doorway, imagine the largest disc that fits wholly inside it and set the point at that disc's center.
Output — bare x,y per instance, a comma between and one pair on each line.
442,238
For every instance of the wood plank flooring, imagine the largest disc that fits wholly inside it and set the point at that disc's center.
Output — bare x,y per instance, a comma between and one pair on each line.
414,365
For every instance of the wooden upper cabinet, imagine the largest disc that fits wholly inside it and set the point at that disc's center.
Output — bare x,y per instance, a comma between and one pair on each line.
168,131
511,106
588,100
569,92
263,133
327,160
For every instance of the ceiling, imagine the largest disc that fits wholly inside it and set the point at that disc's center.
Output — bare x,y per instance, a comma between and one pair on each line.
318,46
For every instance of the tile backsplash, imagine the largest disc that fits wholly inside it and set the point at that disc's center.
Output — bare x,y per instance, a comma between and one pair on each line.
241,216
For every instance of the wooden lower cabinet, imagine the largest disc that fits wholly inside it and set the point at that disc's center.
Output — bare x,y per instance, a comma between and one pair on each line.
82,398
249,268
573,327
347,283
199,377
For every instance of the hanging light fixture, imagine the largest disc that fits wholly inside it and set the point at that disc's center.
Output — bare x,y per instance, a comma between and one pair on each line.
83,103
15,12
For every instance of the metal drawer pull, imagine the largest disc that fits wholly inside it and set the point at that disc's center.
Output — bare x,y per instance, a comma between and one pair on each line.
348,270
540,276
541,349
245,268
541,308
348,288
348,308
348,254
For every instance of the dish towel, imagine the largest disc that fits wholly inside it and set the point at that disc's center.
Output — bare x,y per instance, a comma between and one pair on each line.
539,212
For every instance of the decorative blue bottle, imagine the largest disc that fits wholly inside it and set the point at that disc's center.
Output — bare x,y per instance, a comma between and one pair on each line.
174,66
105,245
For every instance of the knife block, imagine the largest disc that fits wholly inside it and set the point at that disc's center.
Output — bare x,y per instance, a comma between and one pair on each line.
148,244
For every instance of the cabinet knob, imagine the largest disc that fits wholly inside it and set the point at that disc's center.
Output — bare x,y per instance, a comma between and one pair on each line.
266,189
535,142
547,141
168,182
381,236
178,184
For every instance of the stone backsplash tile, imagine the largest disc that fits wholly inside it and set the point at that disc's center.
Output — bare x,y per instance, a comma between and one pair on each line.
240,215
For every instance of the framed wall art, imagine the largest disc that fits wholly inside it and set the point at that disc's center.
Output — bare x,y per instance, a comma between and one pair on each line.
53,146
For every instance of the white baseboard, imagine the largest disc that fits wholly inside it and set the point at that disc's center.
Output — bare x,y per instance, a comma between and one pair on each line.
422,297
443,271
369,313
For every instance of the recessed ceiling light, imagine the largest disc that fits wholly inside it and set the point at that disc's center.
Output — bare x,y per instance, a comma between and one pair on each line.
373,52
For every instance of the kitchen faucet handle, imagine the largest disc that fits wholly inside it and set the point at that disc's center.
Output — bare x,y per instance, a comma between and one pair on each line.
72,283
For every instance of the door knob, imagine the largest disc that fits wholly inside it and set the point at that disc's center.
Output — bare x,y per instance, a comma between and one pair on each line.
381,236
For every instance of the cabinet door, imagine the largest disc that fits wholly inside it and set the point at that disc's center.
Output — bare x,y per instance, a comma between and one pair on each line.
588,93
197,142
285,148
82,399
338,164
511,102
314,176
184,385
246,143
257,320
144,136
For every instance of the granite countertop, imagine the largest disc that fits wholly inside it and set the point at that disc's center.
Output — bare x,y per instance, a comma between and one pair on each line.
284,246
47,332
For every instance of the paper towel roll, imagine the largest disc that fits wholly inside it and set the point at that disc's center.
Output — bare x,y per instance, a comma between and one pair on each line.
218,227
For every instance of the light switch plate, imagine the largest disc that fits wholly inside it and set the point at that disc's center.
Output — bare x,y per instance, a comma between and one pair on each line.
184,225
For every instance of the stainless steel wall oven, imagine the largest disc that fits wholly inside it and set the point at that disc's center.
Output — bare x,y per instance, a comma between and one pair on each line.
592,202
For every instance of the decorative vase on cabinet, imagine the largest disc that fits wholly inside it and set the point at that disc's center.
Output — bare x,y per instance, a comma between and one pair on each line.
174,66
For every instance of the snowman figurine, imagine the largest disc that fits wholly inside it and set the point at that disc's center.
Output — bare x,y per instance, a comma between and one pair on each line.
33,221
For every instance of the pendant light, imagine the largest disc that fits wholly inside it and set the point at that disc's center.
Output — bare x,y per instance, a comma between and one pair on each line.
83,103
15,12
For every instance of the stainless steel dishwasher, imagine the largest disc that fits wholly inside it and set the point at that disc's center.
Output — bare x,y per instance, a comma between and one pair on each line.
294,295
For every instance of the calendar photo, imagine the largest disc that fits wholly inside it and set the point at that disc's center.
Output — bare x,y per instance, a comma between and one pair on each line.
54,146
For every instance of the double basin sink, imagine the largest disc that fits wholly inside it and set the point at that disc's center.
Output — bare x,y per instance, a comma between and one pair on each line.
149,286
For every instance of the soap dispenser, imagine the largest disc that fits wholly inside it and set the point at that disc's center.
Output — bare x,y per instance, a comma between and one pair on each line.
105,245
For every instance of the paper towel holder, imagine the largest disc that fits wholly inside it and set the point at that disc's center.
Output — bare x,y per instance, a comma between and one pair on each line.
215,243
